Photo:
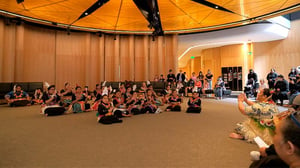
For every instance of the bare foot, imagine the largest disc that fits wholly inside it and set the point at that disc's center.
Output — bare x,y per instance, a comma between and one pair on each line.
236,136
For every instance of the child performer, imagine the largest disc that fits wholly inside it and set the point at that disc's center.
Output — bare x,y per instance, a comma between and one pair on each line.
120,106
134,104
150,105
105,111
174,102
194,104
51,100
37,97
79,101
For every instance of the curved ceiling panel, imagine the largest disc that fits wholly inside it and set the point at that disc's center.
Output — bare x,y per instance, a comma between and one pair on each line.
177,16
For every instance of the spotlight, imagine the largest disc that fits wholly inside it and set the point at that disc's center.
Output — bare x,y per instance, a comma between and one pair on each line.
20,1
68,31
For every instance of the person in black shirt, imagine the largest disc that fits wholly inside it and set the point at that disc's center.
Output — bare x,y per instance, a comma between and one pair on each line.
293,74
252,75
281,89
51,103
294,90
208,78
171,76
271,77
194,104
174,102
180,76
201,77
189,87
105,112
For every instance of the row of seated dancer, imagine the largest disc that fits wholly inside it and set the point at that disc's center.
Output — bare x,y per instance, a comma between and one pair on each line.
111,105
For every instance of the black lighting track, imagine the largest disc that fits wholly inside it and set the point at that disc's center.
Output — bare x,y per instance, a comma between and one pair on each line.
212,5
90,10
150,10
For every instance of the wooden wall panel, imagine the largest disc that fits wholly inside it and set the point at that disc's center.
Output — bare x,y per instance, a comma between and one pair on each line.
30,53
155,58
93,63
1,48
124,58
281,55
39,55
9,52
109,59
70,58
141,58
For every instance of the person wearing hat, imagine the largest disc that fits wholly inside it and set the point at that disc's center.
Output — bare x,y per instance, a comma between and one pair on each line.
281,90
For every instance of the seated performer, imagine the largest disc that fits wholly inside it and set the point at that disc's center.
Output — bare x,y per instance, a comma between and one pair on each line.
37,97
128,94
166,94
51,100
105,112
66,94
194,104
174,102
150,104
120,106
79,101
154,95
260,117
17,97
143,88
134,104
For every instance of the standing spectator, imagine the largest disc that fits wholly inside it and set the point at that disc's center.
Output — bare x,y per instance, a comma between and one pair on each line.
252,75
271,77
201,77
294,91
180,76
208,78
281,89
161,78
171,76
293,74
194,77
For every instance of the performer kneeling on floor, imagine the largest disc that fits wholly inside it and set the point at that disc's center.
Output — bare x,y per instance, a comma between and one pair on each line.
174,102
194,104
51,100
105,112
17,97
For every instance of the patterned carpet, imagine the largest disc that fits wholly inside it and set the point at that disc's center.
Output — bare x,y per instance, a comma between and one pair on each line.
169,139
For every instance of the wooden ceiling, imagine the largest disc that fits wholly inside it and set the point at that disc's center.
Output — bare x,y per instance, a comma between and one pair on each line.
177,16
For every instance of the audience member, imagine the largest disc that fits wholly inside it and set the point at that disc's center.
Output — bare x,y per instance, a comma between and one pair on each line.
271,77
281,90
208,78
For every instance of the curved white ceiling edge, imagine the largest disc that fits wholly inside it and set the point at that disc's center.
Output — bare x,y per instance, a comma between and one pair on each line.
260,32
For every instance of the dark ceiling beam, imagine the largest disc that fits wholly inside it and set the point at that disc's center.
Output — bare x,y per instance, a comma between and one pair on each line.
212,5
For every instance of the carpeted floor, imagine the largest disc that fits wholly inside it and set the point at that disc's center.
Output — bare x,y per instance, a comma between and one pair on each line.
169,139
